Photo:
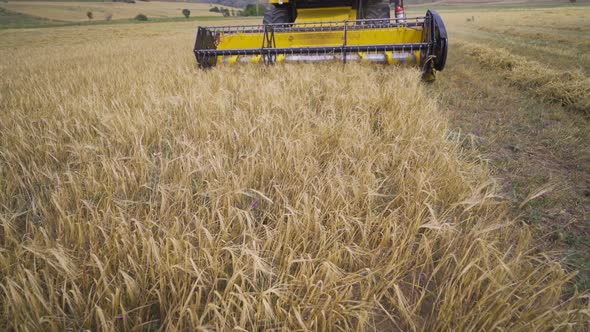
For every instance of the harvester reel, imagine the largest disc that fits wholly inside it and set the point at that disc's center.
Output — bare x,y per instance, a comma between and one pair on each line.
297,36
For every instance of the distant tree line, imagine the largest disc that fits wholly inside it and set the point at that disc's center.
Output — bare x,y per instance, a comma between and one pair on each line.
254,10
250,10
235,3
224,11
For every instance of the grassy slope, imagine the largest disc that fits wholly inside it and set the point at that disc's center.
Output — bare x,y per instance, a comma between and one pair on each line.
74,12
13,20
9,19
169,197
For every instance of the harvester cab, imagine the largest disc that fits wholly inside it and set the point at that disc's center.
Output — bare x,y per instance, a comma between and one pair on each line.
329,30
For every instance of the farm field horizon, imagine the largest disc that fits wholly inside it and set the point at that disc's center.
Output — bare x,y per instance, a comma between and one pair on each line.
72,11
140,192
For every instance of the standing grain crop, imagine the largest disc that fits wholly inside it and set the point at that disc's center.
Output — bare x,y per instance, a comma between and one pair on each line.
145,194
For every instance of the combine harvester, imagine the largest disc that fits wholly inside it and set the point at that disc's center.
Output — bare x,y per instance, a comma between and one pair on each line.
329,30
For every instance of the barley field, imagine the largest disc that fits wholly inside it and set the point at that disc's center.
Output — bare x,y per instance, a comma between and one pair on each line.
140,193
72,11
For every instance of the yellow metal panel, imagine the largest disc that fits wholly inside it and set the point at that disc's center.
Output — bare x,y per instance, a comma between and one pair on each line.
365,36
325,14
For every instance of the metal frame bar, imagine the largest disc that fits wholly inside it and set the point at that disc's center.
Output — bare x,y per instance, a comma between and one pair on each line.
318,26
345,34
314,50
268,43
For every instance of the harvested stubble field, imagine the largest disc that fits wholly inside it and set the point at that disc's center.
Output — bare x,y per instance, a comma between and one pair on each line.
140,193
72,11
517,86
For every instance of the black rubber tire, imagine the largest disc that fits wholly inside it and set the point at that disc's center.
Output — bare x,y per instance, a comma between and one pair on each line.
442,41
376,9
277,15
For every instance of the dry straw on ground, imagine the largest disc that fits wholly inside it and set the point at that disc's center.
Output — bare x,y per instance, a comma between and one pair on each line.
569,88
144,194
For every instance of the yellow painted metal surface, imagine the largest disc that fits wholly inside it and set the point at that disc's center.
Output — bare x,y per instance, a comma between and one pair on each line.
310,15
365,36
